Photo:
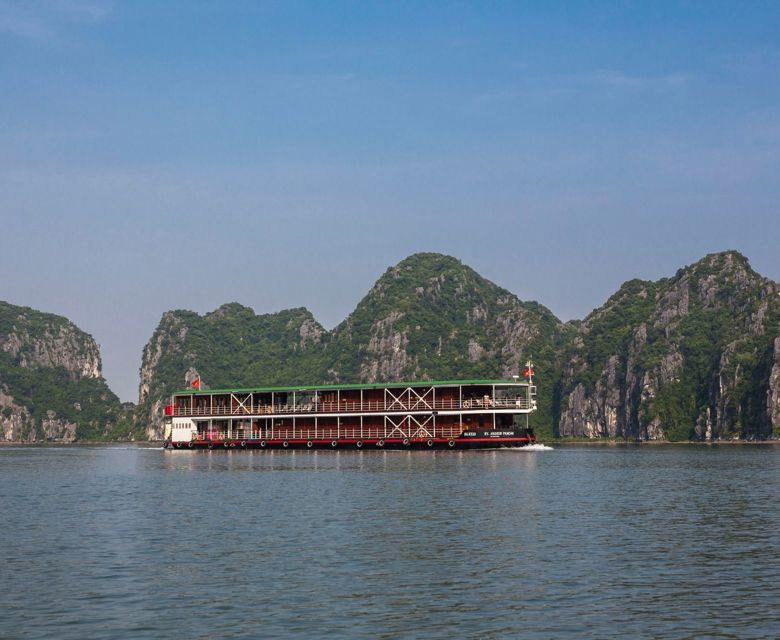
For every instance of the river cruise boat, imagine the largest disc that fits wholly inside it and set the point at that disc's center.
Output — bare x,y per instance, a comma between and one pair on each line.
454,414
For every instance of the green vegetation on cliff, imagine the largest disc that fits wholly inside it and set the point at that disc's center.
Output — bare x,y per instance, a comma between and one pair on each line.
234,347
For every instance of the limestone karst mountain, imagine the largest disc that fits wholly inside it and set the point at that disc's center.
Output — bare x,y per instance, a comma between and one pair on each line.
694,356
51,381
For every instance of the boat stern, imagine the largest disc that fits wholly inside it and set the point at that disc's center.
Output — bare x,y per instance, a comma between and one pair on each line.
183,430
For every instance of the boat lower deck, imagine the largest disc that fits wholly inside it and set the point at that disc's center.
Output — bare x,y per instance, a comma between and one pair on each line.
357,443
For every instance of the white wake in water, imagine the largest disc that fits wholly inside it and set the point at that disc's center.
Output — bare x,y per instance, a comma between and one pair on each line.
534,447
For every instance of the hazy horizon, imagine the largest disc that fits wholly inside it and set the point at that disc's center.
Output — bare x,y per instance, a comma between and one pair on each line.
164,156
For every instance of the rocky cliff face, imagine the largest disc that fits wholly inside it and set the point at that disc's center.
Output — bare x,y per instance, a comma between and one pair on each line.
51,385
430,315
167,340
54,347
229,347
773,392
686,357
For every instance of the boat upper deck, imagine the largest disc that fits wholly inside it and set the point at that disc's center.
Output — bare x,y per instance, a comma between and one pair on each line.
397,397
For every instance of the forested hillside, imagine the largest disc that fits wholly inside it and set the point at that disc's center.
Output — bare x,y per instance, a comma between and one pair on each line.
694,356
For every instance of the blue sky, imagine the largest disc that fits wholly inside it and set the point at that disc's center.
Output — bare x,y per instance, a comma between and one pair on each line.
161,155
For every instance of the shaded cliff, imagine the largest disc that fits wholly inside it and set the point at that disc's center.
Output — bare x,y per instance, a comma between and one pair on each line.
694,356
51,383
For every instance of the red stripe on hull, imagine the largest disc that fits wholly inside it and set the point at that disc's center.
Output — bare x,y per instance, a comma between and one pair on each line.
372,443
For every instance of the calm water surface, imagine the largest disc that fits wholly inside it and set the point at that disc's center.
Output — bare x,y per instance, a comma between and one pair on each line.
599,542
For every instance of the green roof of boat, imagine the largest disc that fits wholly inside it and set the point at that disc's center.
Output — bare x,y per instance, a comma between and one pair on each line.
335,387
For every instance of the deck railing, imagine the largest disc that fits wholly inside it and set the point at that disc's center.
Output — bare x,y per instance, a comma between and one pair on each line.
371,406
328,433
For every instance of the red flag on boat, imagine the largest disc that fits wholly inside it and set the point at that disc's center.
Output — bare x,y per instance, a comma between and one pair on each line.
196,383
528,372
